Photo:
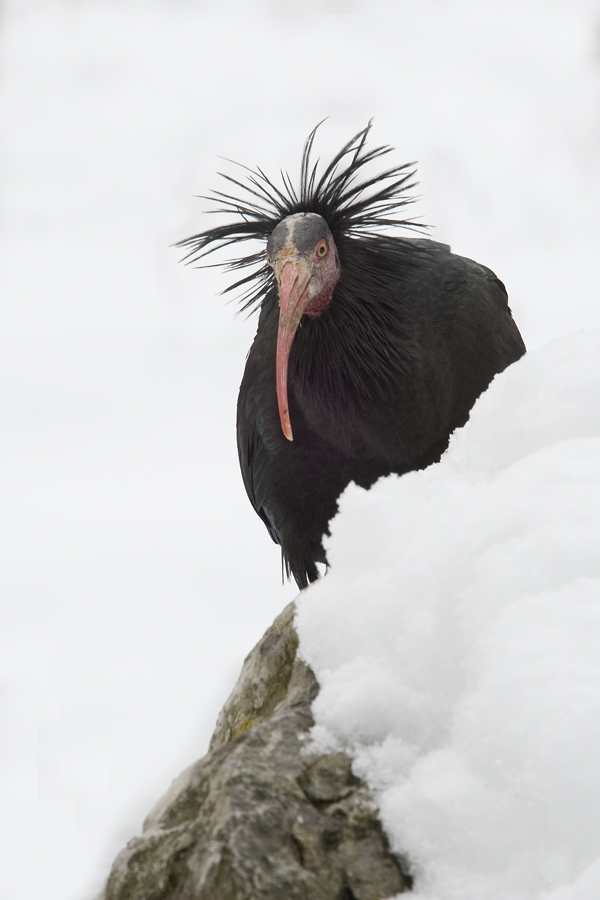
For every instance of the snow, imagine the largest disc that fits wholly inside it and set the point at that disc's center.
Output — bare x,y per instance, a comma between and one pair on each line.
457,640
135,576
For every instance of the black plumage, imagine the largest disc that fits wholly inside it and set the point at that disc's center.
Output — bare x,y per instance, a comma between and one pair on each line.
390,340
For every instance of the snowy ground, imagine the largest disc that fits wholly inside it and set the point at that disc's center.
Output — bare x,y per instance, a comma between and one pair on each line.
135,575
457,642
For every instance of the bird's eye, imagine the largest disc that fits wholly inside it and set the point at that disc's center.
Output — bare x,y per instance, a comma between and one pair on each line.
322,249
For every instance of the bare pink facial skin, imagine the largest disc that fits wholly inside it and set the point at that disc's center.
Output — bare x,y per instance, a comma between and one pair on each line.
303,255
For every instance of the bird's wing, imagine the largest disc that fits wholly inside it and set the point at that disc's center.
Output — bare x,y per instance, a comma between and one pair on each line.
480,336
484,301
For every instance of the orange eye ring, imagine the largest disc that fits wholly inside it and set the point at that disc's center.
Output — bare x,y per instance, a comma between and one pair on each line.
322,249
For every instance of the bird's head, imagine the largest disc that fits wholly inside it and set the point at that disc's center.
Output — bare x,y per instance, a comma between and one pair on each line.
297,224
302,253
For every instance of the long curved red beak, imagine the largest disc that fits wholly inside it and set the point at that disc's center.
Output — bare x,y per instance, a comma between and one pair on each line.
293,300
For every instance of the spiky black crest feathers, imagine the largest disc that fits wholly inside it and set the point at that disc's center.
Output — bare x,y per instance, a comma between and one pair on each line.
350,206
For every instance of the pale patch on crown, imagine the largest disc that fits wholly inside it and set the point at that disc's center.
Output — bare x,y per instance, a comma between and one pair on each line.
297,235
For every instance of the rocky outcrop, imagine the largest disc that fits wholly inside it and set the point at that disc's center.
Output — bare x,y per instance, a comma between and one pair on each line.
258,819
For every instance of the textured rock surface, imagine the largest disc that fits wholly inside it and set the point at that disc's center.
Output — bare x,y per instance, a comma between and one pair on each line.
255,819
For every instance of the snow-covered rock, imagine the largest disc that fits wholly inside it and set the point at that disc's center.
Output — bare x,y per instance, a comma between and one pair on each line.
257,817
457,642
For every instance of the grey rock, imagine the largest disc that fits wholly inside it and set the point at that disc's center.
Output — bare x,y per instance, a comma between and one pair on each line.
256,819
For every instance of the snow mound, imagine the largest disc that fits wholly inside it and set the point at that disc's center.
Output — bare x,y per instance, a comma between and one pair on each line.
457,642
